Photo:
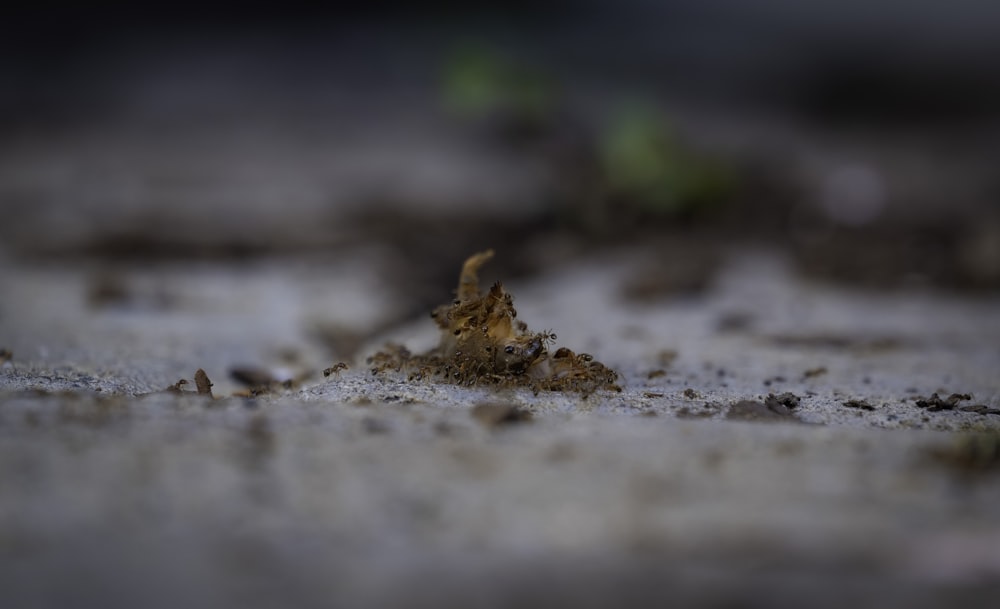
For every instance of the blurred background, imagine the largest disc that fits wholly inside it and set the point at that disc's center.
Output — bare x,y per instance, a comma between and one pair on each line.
860,137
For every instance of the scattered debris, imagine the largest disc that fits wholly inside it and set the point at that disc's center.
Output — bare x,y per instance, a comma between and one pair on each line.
814,372
859,404
482,342
492,414
980,409
656,373
5,356
651,394
787,399
838,342
747,410
936,404
202,383
691,394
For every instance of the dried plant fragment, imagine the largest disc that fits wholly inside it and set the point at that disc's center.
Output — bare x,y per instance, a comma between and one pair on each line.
483,343
202,383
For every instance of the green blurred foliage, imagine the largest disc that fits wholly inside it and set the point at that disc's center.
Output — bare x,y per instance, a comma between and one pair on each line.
628,170
645,164
479,83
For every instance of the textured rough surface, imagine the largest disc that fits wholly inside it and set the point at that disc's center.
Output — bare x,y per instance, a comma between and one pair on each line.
731,468
483,343
251,204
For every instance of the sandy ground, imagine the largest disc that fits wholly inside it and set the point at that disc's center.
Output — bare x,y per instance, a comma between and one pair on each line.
687,486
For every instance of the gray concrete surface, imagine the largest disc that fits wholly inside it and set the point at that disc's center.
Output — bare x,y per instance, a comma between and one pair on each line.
240,191
356,490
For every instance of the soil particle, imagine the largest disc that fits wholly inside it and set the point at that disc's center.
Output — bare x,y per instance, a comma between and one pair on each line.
747,410
980,409
866,344
859,404
936,404
787,399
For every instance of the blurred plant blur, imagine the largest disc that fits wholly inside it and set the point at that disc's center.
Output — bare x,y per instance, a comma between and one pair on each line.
645,163
858,138
480,83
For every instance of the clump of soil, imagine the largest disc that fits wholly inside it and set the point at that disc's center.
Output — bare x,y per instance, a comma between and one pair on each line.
787,400
483,343
935,403
859,404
